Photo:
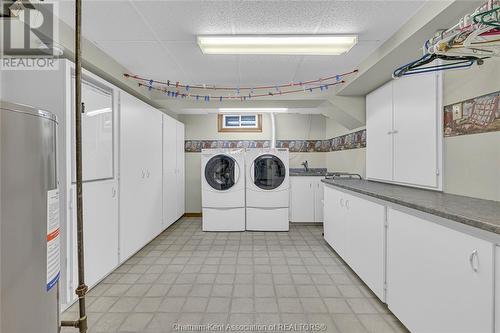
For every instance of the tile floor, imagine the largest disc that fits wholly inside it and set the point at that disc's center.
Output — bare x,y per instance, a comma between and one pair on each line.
186,276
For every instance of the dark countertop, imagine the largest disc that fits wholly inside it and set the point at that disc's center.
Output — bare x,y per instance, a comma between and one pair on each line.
301,172
479,213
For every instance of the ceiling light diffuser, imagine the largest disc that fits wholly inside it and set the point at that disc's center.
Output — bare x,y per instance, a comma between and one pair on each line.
253,110
278,44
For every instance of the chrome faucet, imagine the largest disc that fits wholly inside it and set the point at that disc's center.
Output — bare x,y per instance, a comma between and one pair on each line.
306,165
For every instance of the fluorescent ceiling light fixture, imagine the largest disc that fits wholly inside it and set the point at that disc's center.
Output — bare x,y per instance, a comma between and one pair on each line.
97,112
277,44
253,110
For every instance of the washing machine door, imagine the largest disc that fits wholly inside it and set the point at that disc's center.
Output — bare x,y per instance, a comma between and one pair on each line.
268,172
221,172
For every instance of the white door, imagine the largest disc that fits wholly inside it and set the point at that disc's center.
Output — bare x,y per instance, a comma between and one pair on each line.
365,241
415,130
169,171
439,280
334,225
379,133
301,199
180,171
318,200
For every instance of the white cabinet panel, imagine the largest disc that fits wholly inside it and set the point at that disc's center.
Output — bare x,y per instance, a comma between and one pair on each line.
416,129
100,227
334,226
301,199
365,236
404,131
378,133
439,280
306,199
97,132
140,174
318,200
169,171
181,201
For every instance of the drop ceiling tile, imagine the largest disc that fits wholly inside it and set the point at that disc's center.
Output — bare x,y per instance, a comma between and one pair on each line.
267,69
312,67
371,20
204,68
148,59
107,21
184,20
277,17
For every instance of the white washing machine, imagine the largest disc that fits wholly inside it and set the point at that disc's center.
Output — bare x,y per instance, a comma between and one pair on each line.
223,189
267,189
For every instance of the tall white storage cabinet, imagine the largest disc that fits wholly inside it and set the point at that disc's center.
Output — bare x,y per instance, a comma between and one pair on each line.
173,170
439,279
180,161
140,174
404,131
52,90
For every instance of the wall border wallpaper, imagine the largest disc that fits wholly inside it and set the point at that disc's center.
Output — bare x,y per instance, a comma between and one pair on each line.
476,115
344,142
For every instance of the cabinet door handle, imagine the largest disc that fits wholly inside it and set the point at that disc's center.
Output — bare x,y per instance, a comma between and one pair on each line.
395,132
474,264
148,173
389,132
143,174
113,192
347,204
310,185
342,202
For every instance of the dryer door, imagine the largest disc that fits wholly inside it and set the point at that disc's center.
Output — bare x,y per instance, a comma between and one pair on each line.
268,172
221,172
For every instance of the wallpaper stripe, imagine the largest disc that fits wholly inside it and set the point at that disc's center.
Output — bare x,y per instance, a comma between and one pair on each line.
348,141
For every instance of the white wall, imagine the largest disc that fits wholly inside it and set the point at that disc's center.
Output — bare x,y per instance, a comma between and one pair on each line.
288,126
352,160
472,162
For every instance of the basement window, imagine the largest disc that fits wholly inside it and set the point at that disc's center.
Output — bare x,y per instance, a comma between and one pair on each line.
239,122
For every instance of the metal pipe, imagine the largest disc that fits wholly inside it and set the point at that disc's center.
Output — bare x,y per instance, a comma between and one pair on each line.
81,290
273,130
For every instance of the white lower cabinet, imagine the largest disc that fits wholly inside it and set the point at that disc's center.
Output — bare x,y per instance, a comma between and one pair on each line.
100,230
439,279
354,228
306,199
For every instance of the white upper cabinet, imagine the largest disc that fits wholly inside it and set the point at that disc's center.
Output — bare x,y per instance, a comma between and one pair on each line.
97,131
404,132
416,115
379,111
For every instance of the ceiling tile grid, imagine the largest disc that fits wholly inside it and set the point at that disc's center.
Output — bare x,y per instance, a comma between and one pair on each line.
158,38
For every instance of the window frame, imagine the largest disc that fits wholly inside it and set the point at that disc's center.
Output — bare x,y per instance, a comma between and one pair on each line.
222,128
